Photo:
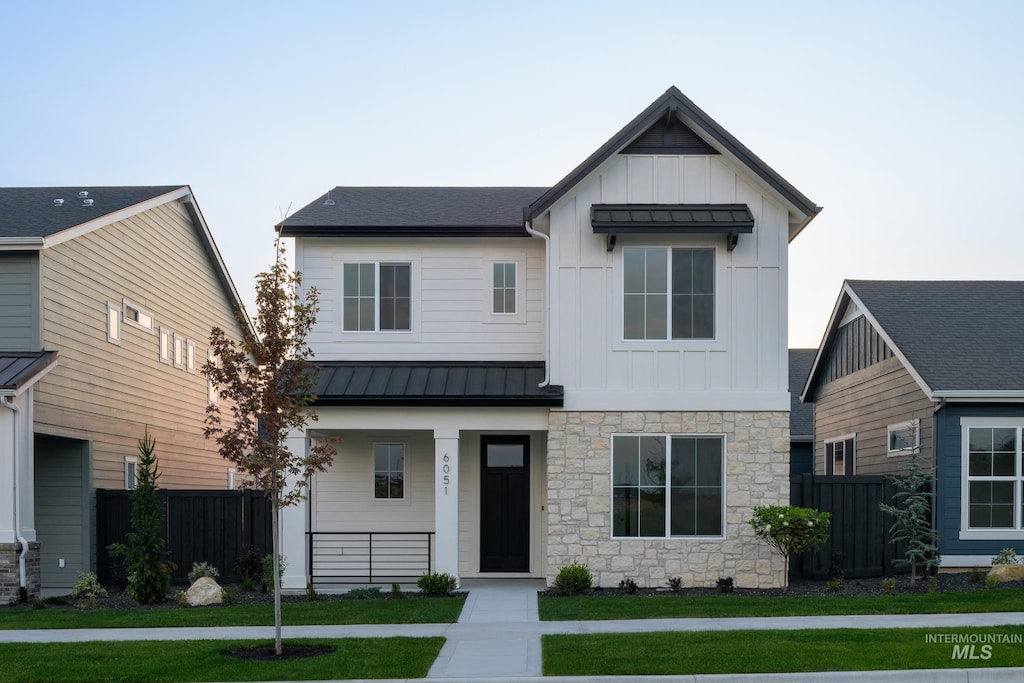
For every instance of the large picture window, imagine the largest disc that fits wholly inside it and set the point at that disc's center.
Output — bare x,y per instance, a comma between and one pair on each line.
389,471
668,293
993,481
665,486
377,297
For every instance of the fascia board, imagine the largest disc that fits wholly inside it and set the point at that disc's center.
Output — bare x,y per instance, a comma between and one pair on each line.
21,243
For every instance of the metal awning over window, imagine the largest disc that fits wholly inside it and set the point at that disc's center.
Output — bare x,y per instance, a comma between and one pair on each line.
671,219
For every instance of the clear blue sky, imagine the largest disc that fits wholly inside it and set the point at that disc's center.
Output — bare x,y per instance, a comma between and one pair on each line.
902,119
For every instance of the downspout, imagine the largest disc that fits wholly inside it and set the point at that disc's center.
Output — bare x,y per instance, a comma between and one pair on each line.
547,303
23,586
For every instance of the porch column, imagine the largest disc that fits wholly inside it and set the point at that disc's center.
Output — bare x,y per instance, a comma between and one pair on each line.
294,525
446,501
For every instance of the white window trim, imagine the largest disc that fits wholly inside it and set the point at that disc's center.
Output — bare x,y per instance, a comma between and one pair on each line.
405,500
668,474
402,336
723,301
232,473
190,356
519,317
847,458
900,426
142,313
131,472
981,533
165,346
113,323
178,351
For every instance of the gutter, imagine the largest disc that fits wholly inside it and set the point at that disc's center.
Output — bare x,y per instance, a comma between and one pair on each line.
23,585
527,224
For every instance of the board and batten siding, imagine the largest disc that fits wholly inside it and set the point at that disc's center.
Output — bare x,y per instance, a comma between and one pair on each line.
746,362
19,301
865,403
108,394
451,299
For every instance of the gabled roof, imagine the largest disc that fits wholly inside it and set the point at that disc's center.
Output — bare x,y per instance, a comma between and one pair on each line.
673,104
19,371
801,415
414,211
960,340
431,383
32,218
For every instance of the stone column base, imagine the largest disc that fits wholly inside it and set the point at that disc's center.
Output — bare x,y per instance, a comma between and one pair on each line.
10,573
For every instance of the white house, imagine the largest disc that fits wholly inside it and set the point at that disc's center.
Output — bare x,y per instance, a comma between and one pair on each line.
520,377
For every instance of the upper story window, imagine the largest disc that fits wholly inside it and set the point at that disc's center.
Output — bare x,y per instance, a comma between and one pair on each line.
904,437
133,315
668,293
166,344
377,297
113,323
503,288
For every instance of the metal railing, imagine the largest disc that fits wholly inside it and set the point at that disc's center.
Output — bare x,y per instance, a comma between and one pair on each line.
338,558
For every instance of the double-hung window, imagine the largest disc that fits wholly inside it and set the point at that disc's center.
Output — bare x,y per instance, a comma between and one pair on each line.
389,471
377,297
667,485
668,293
503,290
993,474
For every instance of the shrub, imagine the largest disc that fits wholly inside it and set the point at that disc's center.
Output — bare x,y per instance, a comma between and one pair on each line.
396,591
976,575
628,586
227,598
55,601
933,585
675,583
1006,556
367,593
38,604
311,593
87,588
911,510
889,586
268,571
181,598
574,579
725,585
790,530
836,585
990,582
249,566
438,585
202,569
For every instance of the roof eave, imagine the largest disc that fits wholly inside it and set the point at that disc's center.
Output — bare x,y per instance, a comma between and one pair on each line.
21,243
402,231
971,396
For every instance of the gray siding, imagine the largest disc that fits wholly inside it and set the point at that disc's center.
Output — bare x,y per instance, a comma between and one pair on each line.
19,301
865,403
107,394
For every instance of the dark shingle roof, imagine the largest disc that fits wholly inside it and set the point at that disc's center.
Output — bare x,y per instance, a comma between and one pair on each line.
958,335
801,415
411,211
412,383
18,368
28,212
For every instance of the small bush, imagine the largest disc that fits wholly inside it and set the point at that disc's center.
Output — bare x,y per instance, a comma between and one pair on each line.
976,575
87,588
439,585
55,601
202,569
889,586
1006,556
367,593
628,586
836,585
249,566
38,604
933,585
725,584
675,583
990,582
268,571
181,598
227,598
574,579
396,591
311,593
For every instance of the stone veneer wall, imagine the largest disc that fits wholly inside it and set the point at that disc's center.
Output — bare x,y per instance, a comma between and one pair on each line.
579,499
10,578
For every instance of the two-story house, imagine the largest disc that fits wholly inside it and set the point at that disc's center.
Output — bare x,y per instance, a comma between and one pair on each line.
936,367
122,285
521,377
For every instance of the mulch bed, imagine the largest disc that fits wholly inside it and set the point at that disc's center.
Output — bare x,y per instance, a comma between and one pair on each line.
266,653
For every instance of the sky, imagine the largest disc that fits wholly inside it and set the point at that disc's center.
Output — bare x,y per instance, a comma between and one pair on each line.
903,120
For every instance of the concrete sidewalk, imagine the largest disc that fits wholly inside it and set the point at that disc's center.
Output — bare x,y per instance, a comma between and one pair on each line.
498,634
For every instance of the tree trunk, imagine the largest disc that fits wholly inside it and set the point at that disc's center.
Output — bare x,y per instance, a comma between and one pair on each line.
275,527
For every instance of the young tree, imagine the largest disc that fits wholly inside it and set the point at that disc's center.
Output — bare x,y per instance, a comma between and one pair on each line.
790,530
268,381
911,509
145,555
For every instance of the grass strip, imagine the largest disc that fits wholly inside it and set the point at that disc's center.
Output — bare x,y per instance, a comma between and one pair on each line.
584,608
202,660
412,611
736,652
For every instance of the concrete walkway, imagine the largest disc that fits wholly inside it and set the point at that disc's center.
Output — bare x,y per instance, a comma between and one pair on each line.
497,638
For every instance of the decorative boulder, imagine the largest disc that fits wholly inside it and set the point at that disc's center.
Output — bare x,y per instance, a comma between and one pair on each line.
204,591
1007,572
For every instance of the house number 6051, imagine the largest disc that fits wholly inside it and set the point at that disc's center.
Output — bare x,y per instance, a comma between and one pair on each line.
445,469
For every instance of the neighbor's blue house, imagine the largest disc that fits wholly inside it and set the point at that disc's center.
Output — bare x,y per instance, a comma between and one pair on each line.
935,365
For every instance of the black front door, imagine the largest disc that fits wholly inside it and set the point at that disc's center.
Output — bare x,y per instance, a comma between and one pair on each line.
505,504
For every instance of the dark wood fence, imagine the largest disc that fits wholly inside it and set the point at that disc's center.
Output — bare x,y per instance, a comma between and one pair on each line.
199,526
859,544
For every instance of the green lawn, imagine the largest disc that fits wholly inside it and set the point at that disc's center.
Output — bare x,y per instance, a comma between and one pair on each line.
201,660
679,606
410,611
734,652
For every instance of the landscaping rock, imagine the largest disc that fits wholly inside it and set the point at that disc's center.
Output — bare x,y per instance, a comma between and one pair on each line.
1007,572
204,591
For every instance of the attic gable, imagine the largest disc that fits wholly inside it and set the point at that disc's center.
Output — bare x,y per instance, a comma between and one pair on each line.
669,136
